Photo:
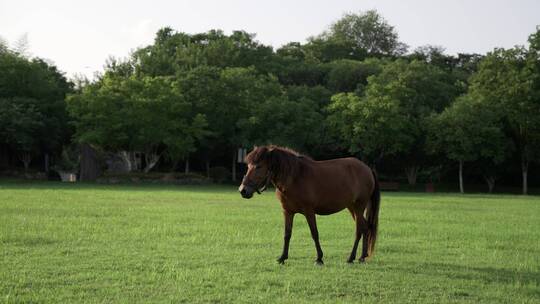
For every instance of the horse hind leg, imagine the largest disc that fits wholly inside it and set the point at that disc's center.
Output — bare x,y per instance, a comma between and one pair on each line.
363,226
361,231
358,235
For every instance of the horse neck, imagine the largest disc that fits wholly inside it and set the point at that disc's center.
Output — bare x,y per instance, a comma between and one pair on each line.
282,181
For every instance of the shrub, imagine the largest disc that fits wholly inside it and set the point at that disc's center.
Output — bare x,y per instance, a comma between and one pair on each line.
220,174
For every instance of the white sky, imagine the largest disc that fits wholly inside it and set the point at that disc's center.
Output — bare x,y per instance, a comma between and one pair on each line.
78,36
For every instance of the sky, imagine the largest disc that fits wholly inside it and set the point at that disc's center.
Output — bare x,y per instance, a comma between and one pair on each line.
78,36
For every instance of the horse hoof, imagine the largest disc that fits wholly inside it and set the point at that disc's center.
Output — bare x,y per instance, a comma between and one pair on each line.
319,263
362,260
350,261
281,261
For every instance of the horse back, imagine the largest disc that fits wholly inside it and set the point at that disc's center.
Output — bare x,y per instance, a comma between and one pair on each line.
348,174
331,185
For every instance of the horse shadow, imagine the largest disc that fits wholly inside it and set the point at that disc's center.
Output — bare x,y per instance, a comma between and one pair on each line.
485,274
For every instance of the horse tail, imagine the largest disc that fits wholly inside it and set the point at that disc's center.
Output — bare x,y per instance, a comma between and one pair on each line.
373,215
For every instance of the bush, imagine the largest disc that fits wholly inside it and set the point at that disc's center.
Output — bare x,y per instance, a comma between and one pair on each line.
154,178
220,174
69,160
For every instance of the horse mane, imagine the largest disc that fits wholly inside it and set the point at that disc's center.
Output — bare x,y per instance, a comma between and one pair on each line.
285,163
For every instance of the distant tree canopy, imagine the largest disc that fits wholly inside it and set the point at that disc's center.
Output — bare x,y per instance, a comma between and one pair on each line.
366,33
467,131
353,89
33,118
508,81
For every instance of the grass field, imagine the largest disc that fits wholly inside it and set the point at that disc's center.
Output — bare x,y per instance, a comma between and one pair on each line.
63,243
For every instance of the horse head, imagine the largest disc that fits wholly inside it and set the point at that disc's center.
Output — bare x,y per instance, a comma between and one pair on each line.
259,173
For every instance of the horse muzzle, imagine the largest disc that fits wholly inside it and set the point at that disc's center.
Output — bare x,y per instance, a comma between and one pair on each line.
245,191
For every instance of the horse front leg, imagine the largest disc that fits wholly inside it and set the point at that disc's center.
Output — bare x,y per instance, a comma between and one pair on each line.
288,217
312,222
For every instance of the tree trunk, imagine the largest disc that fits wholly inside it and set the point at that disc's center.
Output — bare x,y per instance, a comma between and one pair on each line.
524,171
461,177
26,158
47,163
376,161
207,168
4,156
412,173
186,168
151,161
127,159
90,167
234,166
174,165
490,180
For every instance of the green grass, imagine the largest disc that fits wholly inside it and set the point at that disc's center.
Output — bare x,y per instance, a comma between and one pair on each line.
125,244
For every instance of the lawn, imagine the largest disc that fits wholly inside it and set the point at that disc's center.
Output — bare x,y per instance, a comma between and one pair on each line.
125,244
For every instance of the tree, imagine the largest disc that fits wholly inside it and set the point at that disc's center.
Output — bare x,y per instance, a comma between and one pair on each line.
22,46
20,124
374,127
319,95
325,48
244,91
467,131
147,114
163,120
202,87
351,75
459,68
282,121
3,45
367,32
389,119
100,114
33,91
174,52
508,79
301,73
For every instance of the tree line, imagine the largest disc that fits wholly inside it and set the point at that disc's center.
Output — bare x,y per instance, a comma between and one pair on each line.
354,89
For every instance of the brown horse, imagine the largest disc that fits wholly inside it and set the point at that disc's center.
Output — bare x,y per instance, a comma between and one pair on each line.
316,187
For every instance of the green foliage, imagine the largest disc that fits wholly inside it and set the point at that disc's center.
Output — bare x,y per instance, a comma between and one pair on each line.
389,118
20,123
246,91
137,114
32,92
301,73
367,32
373,126
351,75
219,174
508,80
281,121
148,178
469,130
3,45
320,95
69,160
174,51
328,48
419,87
348,90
